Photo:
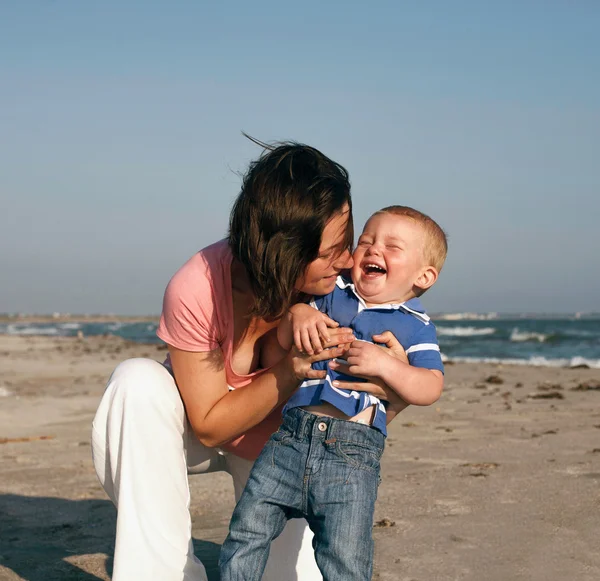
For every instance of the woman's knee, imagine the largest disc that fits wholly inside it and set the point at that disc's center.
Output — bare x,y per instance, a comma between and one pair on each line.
142,383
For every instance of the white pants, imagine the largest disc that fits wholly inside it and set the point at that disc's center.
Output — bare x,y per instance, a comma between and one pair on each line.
143,449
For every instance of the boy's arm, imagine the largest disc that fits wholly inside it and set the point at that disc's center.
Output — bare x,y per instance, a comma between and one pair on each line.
415,385
419,383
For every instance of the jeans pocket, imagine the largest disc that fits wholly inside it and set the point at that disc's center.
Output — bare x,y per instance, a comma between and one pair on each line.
363,457
280,436
280,447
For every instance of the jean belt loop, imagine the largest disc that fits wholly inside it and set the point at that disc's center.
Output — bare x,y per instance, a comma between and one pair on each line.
302,421
332,430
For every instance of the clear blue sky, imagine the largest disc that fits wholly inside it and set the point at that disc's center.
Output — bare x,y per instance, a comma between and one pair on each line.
120,138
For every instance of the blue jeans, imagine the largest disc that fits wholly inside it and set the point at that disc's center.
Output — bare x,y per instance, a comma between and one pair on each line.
322,469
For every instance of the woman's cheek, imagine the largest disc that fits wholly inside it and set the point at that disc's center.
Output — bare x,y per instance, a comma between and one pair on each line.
312,276
324,287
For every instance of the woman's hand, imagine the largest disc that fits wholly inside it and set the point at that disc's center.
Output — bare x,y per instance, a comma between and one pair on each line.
339,341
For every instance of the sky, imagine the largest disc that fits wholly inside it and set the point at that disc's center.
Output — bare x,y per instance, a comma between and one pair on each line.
121,148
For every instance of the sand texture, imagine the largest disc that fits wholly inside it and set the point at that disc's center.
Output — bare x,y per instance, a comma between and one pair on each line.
500,480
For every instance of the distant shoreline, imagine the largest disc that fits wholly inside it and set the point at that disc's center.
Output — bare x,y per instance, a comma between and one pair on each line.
446,317
66,318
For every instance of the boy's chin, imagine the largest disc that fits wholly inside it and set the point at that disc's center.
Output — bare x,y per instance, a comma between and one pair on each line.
369,287
371,294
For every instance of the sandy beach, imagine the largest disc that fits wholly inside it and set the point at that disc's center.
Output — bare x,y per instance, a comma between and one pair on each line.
498,480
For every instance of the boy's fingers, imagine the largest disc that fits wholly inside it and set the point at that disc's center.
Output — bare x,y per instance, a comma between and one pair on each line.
340,366
352,352
388,338
298,340
323,331
315,339
330,322
306,344
390,341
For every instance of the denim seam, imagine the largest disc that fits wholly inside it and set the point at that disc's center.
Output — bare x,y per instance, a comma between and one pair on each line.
357,464
368,449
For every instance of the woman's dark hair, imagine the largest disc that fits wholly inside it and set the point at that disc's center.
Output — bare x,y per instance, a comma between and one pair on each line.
277,221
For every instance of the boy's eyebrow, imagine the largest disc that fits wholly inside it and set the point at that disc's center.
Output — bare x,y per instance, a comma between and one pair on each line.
392,237
395,237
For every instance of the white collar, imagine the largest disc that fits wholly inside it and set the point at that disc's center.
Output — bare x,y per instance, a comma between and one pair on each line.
412,306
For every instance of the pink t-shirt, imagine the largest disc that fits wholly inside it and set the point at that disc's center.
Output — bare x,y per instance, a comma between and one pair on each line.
197,316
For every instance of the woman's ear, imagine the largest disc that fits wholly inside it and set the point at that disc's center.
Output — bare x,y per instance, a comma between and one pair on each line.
427,278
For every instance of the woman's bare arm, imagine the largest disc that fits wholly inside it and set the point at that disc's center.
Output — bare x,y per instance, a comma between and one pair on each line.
217,414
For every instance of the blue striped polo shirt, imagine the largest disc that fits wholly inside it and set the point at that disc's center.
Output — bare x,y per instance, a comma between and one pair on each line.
407,321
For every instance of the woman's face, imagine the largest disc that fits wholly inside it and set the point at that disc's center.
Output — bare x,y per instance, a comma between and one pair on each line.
320,275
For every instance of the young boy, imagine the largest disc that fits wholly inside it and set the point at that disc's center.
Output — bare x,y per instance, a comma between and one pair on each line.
323,462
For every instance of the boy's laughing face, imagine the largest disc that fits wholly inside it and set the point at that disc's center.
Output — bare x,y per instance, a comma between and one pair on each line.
389,259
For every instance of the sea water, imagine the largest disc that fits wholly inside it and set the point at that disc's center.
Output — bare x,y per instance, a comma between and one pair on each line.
561,341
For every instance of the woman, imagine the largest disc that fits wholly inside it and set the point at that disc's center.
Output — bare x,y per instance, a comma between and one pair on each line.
217,398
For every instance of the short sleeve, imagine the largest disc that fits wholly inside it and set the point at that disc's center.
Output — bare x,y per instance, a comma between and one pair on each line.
189,318
424,350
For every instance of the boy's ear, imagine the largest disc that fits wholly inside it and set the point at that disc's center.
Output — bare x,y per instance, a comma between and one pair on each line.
427,277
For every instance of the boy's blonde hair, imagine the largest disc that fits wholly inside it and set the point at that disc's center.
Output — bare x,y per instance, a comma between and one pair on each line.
436,243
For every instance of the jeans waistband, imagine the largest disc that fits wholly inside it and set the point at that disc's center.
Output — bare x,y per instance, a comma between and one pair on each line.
303,424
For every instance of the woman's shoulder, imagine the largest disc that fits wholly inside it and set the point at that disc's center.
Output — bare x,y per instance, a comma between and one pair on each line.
204,278
219,251
208,264
195,306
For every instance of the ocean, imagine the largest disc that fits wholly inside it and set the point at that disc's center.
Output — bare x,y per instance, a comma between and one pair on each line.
559,341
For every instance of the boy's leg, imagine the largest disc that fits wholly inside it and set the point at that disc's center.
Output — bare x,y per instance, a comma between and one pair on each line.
272,495
292,555
342,503
254,524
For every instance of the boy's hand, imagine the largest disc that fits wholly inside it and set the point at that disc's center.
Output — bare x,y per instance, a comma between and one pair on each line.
301,363
310,328
363,359
374,385
368,360
388,339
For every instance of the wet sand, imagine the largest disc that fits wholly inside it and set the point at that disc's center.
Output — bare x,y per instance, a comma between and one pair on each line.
498,480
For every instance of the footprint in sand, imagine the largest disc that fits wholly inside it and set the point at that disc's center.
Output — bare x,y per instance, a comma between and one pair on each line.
451,507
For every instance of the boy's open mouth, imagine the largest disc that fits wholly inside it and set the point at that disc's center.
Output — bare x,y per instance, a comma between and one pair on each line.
371,269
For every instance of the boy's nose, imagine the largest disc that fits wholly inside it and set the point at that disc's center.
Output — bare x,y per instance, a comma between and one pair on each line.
373,249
